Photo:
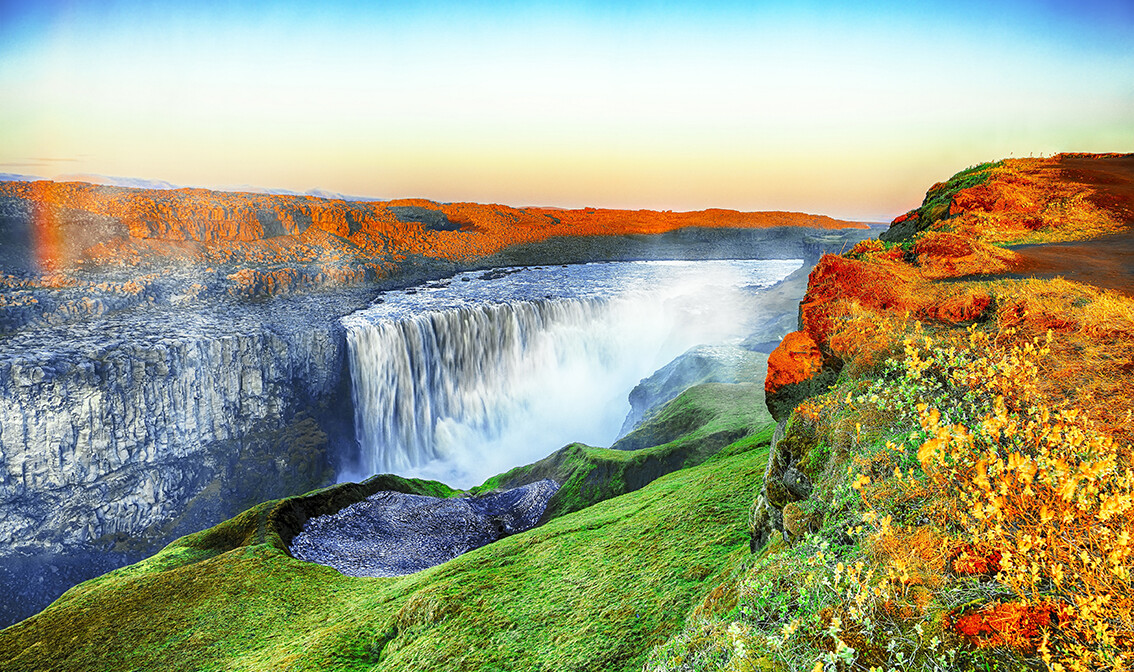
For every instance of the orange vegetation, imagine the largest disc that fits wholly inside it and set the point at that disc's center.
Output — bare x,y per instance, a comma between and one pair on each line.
1065,197
1035,493
211,226
1011,624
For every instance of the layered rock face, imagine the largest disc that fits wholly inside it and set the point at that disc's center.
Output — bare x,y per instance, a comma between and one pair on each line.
119,434
70,421
170,357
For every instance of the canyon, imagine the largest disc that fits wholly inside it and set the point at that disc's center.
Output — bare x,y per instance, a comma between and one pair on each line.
169,358
934,473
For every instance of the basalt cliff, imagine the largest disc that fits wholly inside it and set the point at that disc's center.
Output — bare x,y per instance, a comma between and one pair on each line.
169,358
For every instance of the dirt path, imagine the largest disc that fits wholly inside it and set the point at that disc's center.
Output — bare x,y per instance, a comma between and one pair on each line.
1104,262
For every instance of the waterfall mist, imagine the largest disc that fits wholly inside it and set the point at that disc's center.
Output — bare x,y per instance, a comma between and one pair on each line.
460,381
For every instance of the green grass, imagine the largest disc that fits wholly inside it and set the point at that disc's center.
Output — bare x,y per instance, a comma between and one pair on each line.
594,589
935,206
684,433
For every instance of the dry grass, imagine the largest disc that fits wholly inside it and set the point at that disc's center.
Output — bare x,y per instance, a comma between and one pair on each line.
1024,201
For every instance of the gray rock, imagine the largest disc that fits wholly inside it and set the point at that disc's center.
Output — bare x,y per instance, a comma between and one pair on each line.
797,483
391,533
122,432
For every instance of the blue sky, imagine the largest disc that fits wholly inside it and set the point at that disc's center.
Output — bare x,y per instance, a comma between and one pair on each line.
817,107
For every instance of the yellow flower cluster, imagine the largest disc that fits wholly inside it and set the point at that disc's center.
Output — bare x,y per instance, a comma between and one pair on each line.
1052,494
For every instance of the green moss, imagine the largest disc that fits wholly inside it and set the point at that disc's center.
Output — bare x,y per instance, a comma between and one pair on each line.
817,458
595,589
935,206
688,430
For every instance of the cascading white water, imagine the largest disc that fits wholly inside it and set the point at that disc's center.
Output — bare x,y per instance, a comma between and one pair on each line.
420,378
461,382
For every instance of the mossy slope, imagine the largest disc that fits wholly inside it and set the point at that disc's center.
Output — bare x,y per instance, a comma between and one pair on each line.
683,433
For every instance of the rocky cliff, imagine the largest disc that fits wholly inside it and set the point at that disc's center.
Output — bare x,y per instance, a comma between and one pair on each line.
1070,215
122,432
955,412
170,357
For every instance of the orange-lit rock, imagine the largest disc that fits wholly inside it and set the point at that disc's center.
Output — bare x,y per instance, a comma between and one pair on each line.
796,370
912,214
1068,197
794,360
995,197
949,255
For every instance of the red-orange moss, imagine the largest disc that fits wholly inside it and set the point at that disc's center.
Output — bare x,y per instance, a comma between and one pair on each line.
794,360
1010,624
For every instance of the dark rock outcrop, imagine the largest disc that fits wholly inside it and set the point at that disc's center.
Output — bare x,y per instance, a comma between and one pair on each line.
792,468
433,220
392,533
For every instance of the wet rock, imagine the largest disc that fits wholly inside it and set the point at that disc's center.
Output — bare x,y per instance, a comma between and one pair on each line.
797,483
391,533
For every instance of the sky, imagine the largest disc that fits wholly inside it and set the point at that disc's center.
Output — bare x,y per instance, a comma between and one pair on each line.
812,106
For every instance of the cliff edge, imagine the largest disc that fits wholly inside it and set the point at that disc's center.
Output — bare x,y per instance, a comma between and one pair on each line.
953,477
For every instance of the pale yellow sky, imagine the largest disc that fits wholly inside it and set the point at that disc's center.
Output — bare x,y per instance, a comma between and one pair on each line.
852,114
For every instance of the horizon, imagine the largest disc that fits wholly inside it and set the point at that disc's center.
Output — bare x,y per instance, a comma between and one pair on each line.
158,185
850,113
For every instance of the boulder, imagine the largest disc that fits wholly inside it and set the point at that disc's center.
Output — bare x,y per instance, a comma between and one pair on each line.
393,533
797,369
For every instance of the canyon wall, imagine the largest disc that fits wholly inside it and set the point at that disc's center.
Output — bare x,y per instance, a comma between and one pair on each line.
121,433
65,223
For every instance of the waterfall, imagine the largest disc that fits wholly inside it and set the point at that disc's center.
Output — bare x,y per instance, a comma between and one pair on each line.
420,381
461,392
